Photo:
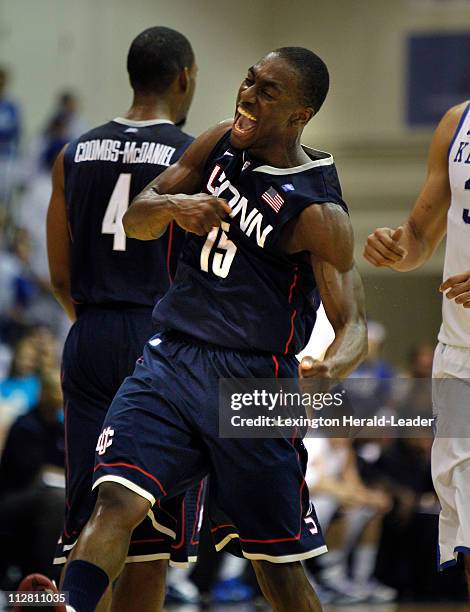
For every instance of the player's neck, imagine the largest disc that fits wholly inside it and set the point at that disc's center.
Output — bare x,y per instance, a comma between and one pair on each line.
146,108
281,155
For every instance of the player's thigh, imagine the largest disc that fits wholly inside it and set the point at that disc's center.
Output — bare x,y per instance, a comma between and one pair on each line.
261,502
146,444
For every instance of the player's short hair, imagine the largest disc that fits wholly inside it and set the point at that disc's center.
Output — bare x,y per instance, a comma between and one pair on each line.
313,73
156,57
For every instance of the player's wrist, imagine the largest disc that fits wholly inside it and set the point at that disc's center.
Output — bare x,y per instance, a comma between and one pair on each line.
176,204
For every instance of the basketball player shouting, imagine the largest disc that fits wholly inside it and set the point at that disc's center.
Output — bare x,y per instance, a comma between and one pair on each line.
267,229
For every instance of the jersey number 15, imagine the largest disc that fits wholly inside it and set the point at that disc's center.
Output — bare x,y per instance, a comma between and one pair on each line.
224,250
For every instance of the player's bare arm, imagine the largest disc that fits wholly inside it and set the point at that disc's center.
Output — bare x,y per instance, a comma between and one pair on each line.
411,245
325,233
173,195
58,240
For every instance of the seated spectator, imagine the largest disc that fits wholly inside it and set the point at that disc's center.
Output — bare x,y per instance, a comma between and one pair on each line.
31,486
409,541
336,489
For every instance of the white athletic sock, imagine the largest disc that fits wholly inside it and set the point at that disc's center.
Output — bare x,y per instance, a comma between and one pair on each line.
177,574
232,567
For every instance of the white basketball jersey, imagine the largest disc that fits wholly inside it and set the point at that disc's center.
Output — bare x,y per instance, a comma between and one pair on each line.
455,328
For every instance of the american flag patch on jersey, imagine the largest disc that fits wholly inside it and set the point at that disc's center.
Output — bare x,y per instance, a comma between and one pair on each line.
272,198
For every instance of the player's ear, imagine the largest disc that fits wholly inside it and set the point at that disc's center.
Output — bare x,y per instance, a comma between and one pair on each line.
302,116
183,79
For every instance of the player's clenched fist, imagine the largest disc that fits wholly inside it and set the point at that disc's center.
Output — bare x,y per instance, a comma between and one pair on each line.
199,213
382,248
312,368
315,376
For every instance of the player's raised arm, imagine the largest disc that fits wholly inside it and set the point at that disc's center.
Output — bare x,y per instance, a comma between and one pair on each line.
58,239
325,232
411,245
168,197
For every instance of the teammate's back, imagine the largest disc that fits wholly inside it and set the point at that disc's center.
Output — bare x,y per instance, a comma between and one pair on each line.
103,171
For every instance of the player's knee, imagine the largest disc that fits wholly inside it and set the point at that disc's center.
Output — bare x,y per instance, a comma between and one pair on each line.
118,504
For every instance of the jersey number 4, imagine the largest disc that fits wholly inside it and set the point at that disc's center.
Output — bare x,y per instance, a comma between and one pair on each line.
117,206
224,251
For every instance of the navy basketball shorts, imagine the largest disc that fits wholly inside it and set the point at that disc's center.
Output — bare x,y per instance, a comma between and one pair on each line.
160,437
100,351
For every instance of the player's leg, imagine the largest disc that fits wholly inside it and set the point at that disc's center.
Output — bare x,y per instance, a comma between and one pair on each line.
286,587
105,539
466,558
272,521
87,387
450,456
143,429
259,504
85,407
145,581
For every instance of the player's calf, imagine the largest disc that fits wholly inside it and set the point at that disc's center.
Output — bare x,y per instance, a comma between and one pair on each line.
286,587
99,555
145,580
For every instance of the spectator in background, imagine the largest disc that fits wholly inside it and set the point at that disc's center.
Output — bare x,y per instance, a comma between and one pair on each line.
336,489
68,106
420,361
32,485
30,215
19,392
32,212
63,125
375,367
416,394
404,468
47,345
10,131
9,271
19,287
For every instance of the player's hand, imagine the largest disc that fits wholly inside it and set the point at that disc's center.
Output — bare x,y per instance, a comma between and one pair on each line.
315,376
382,247
312,368
199,213
458,288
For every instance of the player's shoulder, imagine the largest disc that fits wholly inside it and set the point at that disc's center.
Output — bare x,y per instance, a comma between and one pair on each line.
215,133
454,113
452,118
207,145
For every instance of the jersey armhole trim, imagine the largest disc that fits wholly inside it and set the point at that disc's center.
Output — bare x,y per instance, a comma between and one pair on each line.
459,127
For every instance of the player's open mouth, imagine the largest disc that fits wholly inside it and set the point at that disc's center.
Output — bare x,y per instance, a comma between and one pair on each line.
244,122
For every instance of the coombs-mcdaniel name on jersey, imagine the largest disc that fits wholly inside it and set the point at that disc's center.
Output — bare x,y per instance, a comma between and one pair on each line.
130,152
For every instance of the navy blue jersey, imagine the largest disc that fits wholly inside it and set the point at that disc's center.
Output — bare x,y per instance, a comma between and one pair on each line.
104,170
236,287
